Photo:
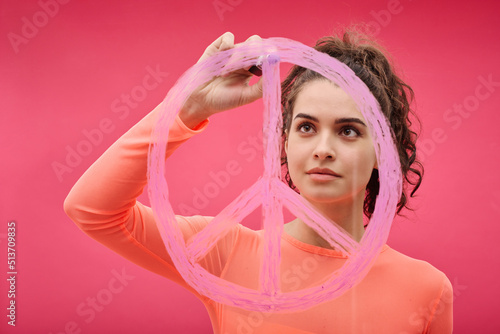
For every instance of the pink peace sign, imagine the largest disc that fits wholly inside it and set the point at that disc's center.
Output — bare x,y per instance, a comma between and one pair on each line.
269,191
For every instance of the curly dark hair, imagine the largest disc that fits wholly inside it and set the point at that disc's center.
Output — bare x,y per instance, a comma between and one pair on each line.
367,60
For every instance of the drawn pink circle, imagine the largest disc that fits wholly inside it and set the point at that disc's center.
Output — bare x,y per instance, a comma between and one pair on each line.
360,256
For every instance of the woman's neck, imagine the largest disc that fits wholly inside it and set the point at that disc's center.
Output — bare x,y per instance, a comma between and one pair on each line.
348,214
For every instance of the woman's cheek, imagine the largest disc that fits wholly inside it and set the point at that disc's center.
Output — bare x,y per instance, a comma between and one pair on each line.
292,168
294,165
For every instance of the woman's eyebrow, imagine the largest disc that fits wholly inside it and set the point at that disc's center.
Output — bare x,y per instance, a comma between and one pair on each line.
301,115
349,120
337,121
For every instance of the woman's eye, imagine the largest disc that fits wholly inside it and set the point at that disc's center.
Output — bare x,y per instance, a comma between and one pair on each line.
349,132
305,127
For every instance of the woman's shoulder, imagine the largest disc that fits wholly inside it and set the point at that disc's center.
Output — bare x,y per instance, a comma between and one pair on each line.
392,256
414,271
428,292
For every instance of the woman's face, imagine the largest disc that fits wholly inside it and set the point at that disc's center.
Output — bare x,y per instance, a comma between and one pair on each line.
329,148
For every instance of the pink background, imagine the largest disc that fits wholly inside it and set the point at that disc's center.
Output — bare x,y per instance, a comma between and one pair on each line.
66,77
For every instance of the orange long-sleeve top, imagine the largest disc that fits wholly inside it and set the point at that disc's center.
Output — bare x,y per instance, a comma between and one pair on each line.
399,294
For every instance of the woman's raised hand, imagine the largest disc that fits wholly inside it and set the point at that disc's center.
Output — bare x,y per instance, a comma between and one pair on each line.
223,92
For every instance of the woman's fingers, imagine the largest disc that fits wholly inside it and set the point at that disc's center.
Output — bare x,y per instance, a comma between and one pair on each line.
237,57
226,91
254,38
255,70
227,41
253,92
223,42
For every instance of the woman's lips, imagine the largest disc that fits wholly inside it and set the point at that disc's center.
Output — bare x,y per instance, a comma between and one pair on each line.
322,174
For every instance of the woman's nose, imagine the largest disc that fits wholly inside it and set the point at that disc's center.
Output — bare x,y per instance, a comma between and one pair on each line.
324,148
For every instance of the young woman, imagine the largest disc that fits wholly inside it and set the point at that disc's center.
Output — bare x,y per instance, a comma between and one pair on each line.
331,161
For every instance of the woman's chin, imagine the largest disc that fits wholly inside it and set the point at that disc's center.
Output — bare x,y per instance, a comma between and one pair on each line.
322,198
